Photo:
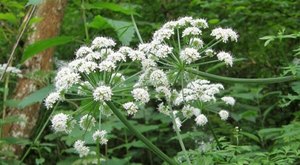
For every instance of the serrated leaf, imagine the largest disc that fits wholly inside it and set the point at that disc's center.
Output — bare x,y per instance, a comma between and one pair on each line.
42,45
125,30
99,23
37,96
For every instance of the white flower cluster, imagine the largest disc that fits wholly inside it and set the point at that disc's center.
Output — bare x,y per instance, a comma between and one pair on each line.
226,57
140,94
102,93
10,70
51,99
100,136
224,34
131,108
81,149
189,55
62,123
198,90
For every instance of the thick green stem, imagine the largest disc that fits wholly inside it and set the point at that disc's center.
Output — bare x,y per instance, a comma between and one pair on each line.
136,29
244,80
180,139
151,146
39,134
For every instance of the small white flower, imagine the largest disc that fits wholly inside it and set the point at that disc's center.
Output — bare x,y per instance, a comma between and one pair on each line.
125,50
87,122
162,34
196,43
228,100
148,63
184,21
224,114
62,123
201,120
102,42
65,78
116,57
191,31
188,111
224,34
107,66
201,23
93,56
9,69
131,108
101,136
83,51
51,99
136,55
209,52
162,51
189,55
158,77
102,93
226,57
140,94
87,67
81,149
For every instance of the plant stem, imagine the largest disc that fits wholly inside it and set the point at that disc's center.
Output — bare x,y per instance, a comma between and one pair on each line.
98,153
23,27
215,136
136,29
151,146
84,21
179,137
244,80
39,134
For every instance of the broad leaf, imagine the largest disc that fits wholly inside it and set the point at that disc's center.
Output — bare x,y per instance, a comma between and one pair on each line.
37,96
10,17
125,30
39,46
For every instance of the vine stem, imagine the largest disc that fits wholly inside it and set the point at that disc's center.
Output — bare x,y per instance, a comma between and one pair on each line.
151,146
244,80
179,136
39,134
136,29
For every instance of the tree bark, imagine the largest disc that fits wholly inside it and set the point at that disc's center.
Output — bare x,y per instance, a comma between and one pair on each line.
51,12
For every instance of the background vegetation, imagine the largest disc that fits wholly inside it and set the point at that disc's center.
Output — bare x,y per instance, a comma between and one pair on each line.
264,127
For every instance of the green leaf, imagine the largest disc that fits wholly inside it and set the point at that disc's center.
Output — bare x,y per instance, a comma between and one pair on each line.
112,7
251,136
10,17
34,2
13,140
37,96
125,30
99,23
39,46
9,119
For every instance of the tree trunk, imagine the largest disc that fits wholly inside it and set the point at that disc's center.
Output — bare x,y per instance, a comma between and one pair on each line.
51,12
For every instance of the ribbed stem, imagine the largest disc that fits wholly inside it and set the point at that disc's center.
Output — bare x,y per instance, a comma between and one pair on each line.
244,80
151,146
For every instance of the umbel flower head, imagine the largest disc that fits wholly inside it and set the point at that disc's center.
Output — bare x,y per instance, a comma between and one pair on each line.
161,71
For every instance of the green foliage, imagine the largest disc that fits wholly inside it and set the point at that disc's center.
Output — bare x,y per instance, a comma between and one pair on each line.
40,46
263,127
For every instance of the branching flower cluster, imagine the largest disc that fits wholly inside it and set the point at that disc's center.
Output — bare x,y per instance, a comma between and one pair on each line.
97,75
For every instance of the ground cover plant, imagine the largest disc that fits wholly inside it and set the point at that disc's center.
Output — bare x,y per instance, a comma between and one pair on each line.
149,83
